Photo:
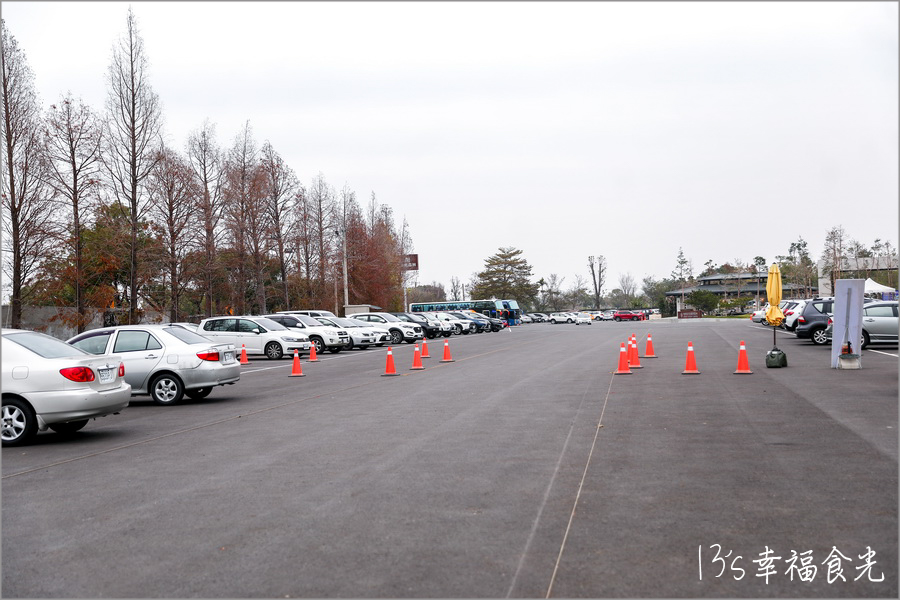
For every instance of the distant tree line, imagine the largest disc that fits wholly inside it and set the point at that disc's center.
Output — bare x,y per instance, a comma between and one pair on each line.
99,213
508,275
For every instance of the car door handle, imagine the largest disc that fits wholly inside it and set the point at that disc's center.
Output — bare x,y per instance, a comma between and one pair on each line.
150,356
869,320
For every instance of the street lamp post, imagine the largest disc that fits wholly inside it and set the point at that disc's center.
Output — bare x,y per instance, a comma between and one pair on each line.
341,231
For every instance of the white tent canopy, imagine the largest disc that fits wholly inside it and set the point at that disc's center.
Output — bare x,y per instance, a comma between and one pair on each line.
873,287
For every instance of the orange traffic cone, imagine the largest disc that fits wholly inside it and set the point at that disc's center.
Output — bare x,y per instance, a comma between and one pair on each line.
425,349
690,363
623,362
648,353
417,360
447,357
244,360
636,361
743,365
312,353
389,367
296,369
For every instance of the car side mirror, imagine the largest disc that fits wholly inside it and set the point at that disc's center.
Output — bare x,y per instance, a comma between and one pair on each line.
256,331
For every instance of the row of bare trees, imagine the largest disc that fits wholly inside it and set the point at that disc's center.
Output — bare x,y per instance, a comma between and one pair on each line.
98,212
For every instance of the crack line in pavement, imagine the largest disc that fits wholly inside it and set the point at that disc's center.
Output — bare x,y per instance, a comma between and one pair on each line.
580,487
546,497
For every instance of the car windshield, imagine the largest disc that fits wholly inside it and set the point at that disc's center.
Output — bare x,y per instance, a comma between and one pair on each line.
188,337
346,322
44,345
359,323
270,324
307,320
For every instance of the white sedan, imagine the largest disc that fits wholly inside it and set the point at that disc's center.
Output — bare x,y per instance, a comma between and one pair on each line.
759,316
48,384
582,318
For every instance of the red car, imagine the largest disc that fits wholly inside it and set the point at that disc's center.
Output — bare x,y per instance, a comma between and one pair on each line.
627,315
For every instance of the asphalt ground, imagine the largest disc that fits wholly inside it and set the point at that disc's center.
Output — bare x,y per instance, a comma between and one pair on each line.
524,468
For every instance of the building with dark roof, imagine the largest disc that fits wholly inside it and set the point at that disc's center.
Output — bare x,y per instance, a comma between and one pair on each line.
734,285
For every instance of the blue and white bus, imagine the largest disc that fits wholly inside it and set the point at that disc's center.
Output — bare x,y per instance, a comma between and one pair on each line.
500,309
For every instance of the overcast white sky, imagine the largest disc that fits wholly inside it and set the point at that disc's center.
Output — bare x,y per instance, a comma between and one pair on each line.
564,129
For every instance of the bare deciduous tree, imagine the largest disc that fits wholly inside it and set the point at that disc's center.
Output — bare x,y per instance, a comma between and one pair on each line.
73,138
239,190
597,265
27,201
282,191
321,214
174,206
628,286
134,124
205,159
834,253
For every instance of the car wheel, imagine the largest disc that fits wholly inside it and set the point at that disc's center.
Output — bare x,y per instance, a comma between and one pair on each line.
335,349
764,322
864,341
198,393
69,428
432,335
819,337
396,337
457,329
19,422
617,318
166,389
319,344
568,320
274,351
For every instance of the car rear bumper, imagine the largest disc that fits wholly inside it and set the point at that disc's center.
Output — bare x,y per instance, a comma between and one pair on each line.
209,377
74,405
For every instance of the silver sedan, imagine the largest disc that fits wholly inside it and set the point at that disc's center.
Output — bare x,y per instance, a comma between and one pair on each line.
48,384
165,361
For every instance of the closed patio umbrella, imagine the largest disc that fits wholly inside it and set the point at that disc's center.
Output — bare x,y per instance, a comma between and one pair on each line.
775,357
773,290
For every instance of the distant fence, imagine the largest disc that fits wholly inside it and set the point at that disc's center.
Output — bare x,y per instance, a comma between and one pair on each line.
51,319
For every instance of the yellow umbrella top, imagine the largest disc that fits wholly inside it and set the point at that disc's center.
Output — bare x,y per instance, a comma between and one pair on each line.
773,291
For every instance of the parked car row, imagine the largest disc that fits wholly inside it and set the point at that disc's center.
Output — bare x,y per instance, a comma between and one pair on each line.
51,384
812,319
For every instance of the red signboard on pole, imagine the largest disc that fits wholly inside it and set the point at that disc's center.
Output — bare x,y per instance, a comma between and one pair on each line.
410,262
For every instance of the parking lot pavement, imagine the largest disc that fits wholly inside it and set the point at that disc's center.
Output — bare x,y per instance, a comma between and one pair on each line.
522,469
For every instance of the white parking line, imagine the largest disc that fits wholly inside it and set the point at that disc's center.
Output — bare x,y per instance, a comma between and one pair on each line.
885,353
757,327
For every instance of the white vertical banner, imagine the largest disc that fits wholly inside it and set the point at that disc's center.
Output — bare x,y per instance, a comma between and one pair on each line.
848,309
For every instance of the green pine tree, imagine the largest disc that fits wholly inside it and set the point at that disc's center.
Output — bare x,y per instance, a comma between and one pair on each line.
506,275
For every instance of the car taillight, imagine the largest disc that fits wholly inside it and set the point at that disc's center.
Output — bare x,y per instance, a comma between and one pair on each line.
121,369
788,313
208,355
79,374
830,321
801,320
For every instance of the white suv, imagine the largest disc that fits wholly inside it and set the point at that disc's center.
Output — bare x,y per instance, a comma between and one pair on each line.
257,335
459,326
792,314
323,336
400,330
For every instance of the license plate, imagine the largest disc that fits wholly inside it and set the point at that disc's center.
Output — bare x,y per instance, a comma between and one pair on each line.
229,356
106,375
